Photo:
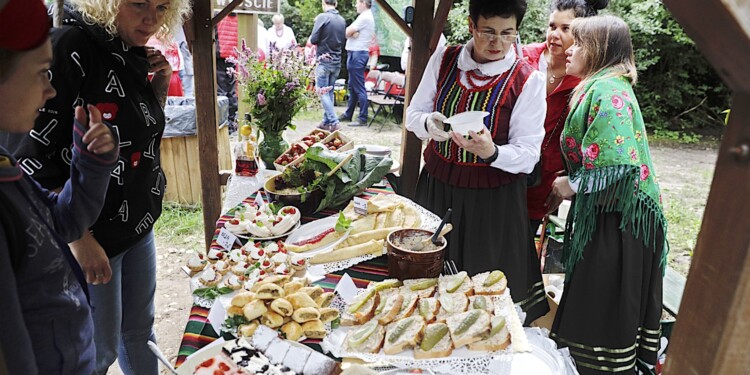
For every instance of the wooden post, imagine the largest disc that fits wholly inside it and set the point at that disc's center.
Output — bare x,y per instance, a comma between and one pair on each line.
711,335
204,61
247,27
411,155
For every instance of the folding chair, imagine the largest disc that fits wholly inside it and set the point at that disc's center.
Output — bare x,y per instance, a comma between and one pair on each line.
388,100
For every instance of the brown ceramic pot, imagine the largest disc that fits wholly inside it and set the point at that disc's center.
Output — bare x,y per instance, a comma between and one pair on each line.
406,264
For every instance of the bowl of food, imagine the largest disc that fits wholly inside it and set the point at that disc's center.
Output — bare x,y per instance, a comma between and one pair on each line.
410,257
307,202
467,121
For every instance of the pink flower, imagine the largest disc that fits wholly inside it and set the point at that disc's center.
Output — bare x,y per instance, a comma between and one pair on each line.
592,152
261,99
588,165
617,102
630,112
633,154
573,157
644,172
570,142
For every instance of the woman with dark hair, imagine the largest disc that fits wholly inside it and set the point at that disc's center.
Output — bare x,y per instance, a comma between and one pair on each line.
615,245
482,177
549,58
100,60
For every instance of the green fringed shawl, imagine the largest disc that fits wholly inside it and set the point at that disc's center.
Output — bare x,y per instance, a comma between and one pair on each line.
605,148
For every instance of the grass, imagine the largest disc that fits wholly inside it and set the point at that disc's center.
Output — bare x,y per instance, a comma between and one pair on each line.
180,226
684,225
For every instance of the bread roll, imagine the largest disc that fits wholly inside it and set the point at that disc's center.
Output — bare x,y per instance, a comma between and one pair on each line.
292,330
305,314
234,311
242,298
269,291
328,314
247,330
300,300
325,299
254,310
313,291
314,329
271,319
282,307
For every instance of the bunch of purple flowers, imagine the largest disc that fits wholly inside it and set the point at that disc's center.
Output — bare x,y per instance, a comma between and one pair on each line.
276,87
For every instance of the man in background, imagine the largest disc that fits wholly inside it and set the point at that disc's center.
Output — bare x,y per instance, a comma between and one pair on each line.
329,33
358,37
226,85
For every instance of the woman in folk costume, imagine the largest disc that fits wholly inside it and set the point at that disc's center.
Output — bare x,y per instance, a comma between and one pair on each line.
615,247
549,58
482,177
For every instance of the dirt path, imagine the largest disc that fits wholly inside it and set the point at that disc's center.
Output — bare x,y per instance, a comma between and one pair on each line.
685,175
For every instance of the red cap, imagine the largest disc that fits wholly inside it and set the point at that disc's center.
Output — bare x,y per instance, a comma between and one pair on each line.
24,25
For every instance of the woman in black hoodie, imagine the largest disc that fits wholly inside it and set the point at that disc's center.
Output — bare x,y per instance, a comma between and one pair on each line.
100,59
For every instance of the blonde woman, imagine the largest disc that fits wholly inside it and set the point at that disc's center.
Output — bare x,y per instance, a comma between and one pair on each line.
100,60
615,247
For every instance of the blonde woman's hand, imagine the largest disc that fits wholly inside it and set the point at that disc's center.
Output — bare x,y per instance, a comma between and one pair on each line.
479,144
92,258
158,64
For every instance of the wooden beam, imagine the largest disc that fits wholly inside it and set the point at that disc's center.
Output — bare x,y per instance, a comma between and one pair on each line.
206,114
411,155
441,16
712,331
395,17
720,30
223,13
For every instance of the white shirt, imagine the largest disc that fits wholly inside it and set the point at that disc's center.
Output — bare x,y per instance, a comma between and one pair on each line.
286,40
526,131
262,39
365,24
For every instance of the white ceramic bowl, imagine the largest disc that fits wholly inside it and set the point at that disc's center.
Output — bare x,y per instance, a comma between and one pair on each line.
464,122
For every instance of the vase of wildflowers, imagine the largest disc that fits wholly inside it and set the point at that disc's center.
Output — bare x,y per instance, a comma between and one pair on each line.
276,88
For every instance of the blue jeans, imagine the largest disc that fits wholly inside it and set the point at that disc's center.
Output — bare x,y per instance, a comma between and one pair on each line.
356,61
325,77
124,311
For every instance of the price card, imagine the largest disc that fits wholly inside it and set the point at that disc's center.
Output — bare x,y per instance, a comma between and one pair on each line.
346,288
259,200
226,239
360,206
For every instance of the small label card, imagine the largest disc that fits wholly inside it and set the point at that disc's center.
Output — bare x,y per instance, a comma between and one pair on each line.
360,206
226,239
259,200
346,288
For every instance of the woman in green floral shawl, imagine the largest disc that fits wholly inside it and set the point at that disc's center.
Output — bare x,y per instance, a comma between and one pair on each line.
615,247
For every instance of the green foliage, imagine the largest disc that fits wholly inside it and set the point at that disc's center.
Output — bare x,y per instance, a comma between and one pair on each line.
677,88
675,137
180,223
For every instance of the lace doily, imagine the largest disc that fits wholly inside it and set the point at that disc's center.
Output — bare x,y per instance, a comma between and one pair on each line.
429,220
461,361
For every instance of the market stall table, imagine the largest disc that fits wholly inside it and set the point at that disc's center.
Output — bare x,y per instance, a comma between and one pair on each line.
199,332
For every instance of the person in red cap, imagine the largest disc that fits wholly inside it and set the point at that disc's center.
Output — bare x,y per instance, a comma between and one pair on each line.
46,325
100,59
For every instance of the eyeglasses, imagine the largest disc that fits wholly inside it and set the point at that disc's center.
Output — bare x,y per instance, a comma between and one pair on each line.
490,37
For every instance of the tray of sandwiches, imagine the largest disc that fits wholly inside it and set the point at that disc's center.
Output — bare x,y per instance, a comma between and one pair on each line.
450,324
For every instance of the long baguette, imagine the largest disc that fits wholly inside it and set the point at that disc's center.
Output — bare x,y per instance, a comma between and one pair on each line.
362,237
370,247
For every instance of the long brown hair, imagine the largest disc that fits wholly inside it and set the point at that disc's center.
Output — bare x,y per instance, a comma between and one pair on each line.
605,43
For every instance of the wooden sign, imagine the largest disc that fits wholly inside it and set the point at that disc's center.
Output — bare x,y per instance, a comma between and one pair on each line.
252,6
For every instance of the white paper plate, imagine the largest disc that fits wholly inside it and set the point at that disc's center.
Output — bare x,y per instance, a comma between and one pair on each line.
312,229
467,121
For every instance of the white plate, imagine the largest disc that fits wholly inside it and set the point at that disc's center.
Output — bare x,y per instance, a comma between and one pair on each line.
377,150
467,121
248,237
201,355
312,229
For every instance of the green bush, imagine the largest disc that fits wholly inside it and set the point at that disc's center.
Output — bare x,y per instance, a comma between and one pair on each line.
677,88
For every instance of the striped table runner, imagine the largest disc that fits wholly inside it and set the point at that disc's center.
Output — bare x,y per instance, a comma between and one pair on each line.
199,332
